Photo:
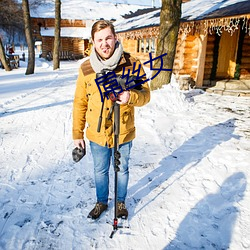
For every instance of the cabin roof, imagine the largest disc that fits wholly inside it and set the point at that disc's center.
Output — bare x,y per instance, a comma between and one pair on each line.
193,10
140,21
77,32
208,9
85,10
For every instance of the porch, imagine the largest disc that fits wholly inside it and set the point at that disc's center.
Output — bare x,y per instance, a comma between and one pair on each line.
231,87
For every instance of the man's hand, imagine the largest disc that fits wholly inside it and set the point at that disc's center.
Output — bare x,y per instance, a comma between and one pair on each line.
79,143
79,151
123,97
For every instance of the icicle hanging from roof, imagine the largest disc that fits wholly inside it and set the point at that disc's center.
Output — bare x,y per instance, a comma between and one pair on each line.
246,25
229,24
218,25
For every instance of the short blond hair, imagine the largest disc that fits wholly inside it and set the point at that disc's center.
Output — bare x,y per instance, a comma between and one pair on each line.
100,25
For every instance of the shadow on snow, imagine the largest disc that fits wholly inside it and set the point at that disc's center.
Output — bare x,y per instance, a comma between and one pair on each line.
209,225
189,155
23,110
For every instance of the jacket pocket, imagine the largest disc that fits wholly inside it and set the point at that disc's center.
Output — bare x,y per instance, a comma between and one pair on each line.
127,120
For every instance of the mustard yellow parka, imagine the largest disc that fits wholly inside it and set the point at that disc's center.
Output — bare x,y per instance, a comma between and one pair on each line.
87,106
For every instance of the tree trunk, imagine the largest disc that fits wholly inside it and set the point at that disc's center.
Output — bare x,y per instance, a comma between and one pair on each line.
3,57
28,33
167,40
56,59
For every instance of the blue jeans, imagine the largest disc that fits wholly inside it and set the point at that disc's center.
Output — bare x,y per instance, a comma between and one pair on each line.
102,157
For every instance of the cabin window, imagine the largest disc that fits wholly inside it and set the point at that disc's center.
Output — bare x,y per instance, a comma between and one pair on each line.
146,45
152,45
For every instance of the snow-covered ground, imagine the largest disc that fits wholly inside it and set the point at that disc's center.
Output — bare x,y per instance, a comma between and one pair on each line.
189,170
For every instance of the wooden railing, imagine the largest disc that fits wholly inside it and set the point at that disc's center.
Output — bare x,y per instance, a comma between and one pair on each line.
64,55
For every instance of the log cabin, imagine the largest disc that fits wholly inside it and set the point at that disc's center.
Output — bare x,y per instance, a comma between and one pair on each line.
213,41
74,37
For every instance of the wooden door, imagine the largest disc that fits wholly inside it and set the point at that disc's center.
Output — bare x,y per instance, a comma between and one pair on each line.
227,55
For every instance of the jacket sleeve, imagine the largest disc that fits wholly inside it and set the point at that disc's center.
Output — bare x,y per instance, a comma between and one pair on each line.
141,97
80,105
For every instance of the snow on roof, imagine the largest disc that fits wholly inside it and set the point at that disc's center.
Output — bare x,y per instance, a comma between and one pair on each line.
145,20
192,10
85,10
80,32
201,9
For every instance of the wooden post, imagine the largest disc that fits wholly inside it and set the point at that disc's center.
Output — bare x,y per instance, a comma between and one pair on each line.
201,60
156,43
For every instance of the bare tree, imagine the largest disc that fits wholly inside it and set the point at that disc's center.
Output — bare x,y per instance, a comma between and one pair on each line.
28,33
11,16
36,3
3,57
168,34
56,59
11,24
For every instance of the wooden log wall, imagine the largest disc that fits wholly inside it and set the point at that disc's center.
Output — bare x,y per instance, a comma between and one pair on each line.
47,45
186,56
190,56
178,61
79,46
133,47
66,44
73,45
129,45
50,22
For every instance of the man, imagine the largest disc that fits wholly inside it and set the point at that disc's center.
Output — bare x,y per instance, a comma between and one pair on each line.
108,55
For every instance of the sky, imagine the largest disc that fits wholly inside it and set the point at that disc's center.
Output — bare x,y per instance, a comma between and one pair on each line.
189,169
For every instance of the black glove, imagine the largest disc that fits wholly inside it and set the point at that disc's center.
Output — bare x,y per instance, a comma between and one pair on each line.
78,153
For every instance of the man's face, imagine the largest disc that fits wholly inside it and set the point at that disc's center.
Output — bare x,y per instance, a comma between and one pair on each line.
104,42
